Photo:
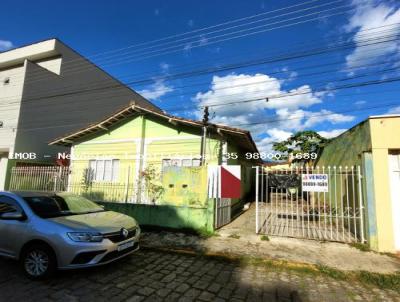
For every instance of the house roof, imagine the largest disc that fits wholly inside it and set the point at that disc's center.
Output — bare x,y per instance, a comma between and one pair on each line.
242,137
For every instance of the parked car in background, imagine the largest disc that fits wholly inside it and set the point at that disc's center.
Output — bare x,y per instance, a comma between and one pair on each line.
49,231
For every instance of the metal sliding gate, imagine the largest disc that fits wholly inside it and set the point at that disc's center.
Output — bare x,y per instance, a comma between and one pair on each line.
322,203
223,212
222,206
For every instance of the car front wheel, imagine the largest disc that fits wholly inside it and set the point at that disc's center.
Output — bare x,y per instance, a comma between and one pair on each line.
38,261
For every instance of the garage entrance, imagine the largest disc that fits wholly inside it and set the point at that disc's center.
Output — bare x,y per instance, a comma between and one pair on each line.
323,203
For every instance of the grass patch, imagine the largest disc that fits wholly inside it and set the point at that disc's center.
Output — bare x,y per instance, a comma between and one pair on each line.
360,246
264,238
333,273
235,236
383,281
391,281
206,234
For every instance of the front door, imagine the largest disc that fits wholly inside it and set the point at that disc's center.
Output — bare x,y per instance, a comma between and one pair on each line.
394,170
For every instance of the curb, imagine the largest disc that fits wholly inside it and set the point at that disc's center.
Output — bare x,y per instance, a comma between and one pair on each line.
230,257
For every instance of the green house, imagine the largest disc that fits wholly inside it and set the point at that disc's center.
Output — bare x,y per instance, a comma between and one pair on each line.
154,166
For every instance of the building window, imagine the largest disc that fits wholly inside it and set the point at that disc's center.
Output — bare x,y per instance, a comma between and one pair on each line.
184,162
104,170
6,81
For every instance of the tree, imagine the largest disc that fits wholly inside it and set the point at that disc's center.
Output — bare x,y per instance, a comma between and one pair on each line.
303,146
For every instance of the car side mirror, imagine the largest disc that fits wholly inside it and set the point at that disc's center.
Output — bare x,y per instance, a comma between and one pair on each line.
12,216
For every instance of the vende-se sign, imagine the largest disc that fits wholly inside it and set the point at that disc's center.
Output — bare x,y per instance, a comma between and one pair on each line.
314,182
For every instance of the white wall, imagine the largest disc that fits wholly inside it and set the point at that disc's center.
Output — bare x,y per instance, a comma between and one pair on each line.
10,98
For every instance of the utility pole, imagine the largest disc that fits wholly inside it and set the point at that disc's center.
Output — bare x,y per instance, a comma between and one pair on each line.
204,136
205,115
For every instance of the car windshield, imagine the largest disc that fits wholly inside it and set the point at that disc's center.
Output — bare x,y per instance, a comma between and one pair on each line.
61,205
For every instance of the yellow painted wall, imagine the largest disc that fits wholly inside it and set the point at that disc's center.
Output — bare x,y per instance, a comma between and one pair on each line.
123,142
385,135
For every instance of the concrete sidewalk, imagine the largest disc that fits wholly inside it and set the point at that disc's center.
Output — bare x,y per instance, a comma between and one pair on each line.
239,239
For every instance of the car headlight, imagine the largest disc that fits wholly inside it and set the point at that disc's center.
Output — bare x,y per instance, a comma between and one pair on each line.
85,237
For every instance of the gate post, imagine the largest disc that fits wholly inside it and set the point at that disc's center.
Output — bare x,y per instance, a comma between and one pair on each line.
360,197
257,175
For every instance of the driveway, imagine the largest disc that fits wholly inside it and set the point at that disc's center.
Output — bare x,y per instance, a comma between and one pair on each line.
157,276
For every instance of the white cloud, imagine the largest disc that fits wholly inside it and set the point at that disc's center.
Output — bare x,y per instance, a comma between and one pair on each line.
359,103
331,133
290,75
240,87
326,116
164,66
395,110
298,120
5,45
274,135
284,115
373,14
156,90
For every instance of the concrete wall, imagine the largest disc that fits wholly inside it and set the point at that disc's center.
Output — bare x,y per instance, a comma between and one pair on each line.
385,136
368,144
347,148
10,98
177,217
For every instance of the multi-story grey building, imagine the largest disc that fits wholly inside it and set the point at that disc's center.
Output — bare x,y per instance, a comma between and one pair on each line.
46,90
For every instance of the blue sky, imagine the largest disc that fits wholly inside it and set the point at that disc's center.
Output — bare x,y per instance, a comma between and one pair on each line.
95,27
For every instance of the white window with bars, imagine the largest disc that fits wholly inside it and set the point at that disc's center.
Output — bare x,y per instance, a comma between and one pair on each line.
104,170
180,162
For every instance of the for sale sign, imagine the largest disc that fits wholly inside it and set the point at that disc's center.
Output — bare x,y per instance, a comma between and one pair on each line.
314,182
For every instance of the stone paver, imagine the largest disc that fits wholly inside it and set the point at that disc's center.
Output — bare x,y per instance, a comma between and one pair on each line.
157,276
246,243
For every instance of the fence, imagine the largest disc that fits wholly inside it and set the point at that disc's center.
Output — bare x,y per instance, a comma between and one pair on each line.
79,181
323,203
33,178
124,185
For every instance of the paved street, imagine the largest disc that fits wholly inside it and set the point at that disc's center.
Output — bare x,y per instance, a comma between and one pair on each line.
157,276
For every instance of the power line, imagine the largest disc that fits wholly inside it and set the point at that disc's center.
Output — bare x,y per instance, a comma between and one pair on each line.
247,34
145,50
191,32
282,95
226,39
365,30
362,84
245,124
234,66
